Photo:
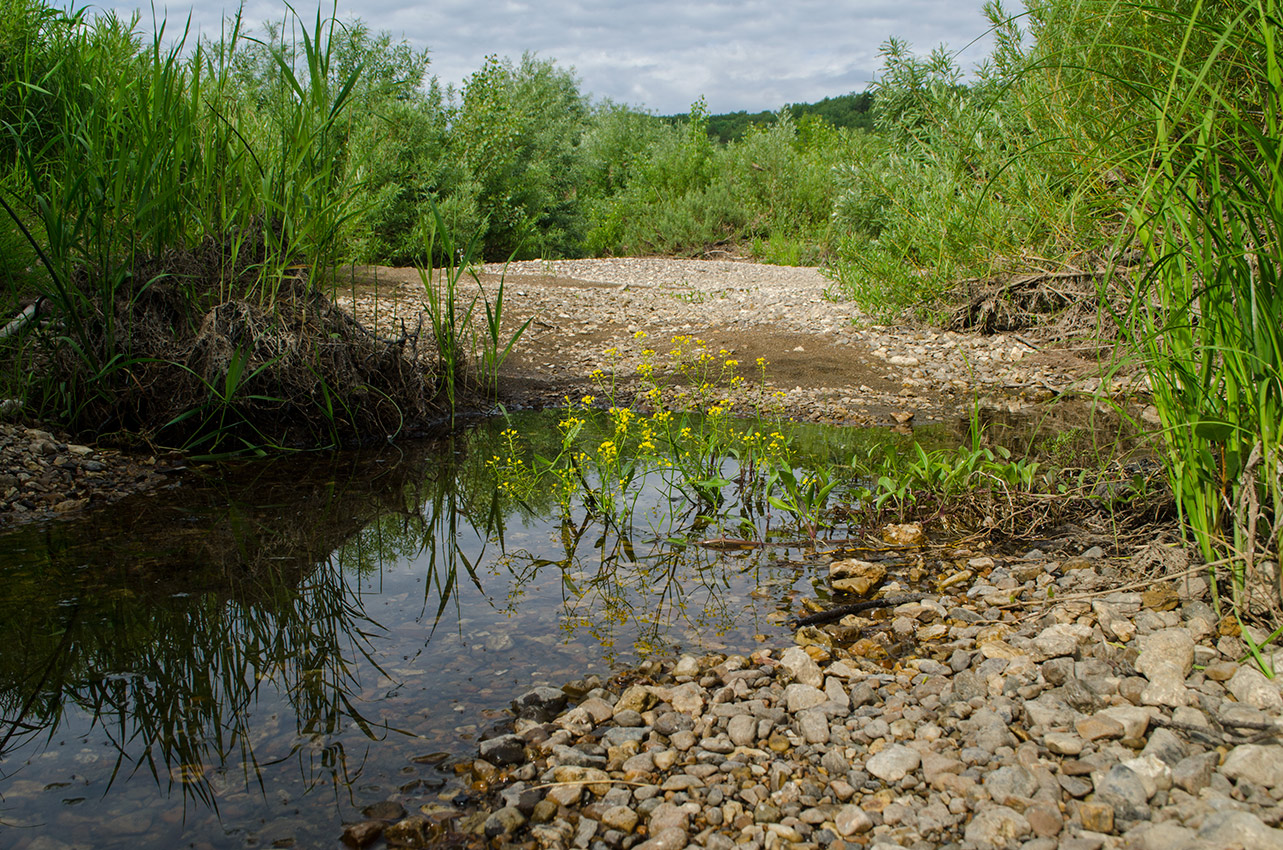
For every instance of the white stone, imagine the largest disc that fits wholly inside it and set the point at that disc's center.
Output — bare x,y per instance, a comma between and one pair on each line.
894,763
851,819
1154,773
1250,687
801,667
799,697
1061,639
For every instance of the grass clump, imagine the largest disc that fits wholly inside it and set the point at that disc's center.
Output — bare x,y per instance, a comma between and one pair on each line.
1205,318
181,211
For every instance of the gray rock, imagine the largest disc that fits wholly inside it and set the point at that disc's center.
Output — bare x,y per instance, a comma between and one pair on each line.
1078,695
968,685
893,763
668,816
851,820
521,797
1230,828
1061,639
862,694
1064,743
1194,773
1050,710
1250,687
1012,781
1121,788
937,765
997,826
671,721
1134,719
504,822
617,735
718,744
629,717
1165,659
814,726
503,750
1075,786
584,832
576,757
1161,836
1155,774
1259,764
742,730
1057,671
835,763
799,697
541,704
1164,744
800,667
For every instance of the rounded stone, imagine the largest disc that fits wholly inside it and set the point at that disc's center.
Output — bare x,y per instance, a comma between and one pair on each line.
894,763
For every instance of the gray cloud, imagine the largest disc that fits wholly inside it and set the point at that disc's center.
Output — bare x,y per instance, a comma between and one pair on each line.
662,55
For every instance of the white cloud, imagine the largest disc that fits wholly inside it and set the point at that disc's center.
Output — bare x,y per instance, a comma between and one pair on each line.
662,55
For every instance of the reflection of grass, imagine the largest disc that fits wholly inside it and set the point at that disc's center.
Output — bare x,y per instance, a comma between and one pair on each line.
613,585
176,650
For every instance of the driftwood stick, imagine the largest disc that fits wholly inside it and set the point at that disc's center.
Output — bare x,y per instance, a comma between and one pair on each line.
837,613
23,319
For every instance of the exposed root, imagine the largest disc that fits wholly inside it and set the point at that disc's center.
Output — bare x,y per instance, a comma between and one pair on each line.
204,356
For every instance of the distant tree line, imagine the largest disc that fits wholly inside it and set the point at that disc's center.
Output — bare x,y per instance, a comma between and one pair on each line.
849,111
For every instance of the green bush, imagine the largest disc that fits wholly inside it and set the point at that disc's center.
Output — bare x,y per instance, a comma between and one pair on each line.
517,133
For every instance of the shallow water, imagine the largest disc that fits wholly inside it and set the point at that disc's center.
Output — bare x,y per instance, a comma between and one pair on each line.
251,659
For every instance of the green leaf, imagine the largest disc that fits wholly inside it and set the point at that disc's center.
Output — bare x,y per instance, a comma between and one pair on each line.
1213,430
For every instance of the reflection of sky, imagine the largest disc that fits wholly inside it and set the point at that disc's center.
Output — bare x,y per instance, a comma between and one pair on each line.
532,614
661,55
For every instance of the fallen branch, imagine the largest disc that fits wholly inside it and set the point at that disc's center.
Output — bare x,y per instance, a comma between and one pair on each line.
23,319
833,614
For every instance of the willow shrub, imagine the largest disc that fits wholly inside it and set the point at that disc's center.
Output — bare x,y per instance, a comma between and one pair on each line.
1207,316
969,179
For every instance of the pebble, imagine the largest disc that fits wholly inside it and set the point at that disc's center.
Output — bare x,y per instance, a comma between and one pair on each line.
44,475
1038,746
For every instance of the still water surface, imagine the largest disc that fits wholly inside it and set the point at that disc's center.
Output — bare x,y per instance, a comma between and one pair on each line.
251,659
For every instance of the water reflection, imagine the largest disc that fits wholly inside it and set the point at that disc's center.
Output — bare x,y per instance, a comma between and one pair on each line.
256,658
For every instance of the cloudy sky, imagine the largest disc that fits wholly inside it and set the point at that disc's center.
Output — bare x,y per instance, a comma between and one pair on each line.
658,54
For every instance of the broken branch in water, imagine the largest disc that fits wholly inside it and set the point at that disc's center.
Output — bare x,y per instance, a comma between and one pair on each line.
841,611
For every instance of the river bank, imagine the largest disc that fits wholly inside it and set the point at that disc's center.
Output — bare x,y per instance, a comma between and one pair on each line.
1050,699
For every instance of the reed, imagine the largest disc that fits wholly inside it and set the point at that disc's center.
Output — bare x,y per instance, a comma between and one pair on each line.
1206,316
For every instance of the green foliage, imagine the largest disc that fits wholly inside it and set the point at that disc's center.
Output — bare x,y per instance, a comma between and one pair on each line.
853,111
516,132
1209,214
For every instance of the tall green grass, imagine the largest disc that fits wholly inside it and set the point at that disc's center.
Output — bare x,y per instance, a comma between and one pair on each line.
151,187
1208,316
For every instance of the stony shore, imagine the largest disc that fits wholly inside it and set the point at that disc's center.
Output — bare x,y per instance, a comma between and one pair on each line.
1035,702
45,475
828,360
